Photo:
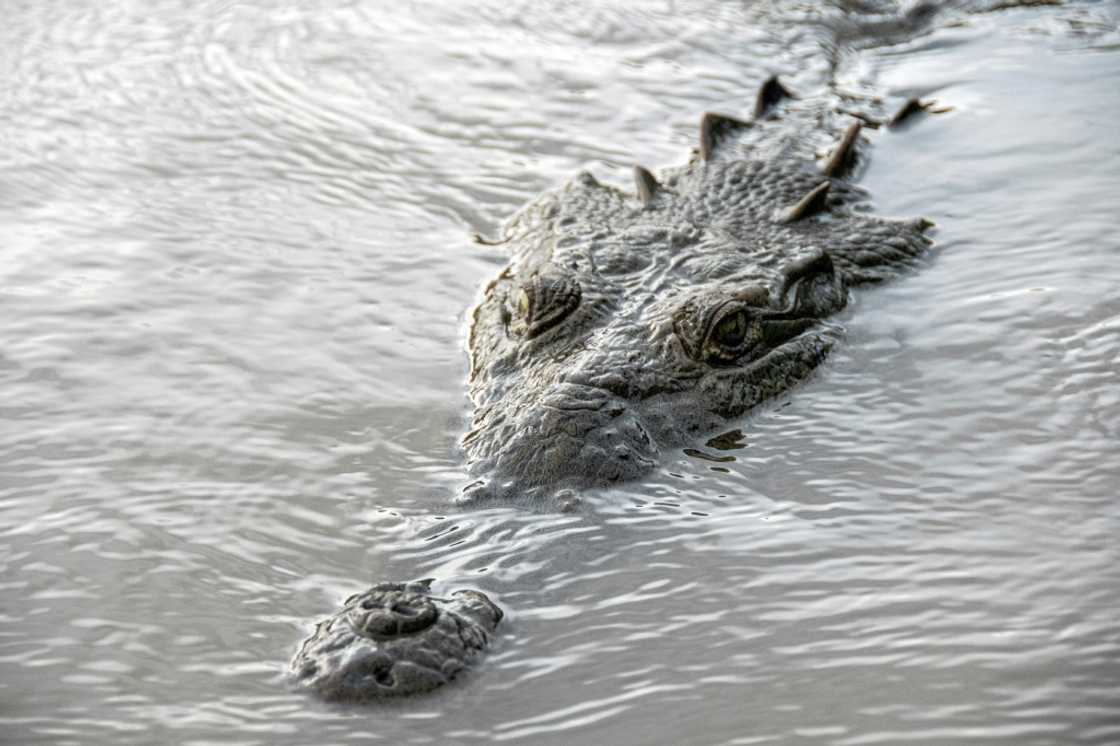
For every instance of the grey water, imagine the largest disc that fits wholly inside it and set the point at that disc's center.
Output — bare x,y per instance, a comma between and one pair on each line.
234,291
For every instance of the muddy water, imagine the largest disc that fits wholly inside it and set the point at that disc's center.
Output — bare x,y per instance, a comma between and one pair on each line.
232,308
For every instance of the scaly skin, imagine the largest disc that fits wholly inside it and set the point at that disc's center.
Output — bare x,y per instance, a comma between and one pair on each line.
394,639
588,352
625,325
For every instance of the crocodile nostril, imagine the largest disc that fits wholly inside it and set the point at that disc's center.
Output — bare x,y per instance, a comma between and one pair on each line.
380,669
383,615
384,676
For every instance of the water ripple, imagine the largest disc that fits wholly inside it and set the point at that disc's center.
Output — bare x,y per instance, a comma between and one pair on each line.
236,268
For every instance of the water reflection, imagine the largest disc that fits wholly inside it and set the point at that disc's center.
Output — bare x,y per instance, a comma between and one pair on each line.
233,298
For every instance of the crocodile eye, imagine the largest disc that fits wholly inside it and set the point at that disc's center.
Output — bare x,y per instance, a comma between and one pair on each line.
730,335
542,303
718,335
731,330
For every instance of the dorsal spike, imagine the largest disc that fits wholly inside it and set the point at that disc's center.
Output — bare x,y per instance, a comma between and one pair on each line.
483,240
909,109
809,205
587,179
841,159
771,92
713,128
646,185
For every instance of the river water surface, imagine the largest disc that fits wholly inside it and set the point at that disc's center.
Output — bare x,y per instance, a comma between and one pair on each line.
233,298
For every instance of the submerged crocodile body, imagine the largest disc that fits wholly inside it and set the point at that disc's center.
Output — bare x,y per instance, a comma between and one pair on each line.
626,324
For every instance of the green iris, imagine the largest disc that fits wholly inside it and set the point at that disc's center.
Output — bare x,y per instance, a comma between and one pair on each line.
731,330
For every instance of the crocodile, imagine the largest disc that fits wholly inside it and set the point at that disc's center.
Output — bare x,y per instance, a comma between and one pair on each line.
627,323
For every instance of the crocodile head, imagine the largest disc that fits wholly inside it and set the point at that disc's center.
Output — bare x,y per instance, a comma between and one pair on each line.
392,640
626,324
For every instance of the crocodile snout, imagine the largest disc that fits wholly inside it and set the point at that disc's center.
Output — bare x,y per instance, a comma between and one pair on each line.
395,639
